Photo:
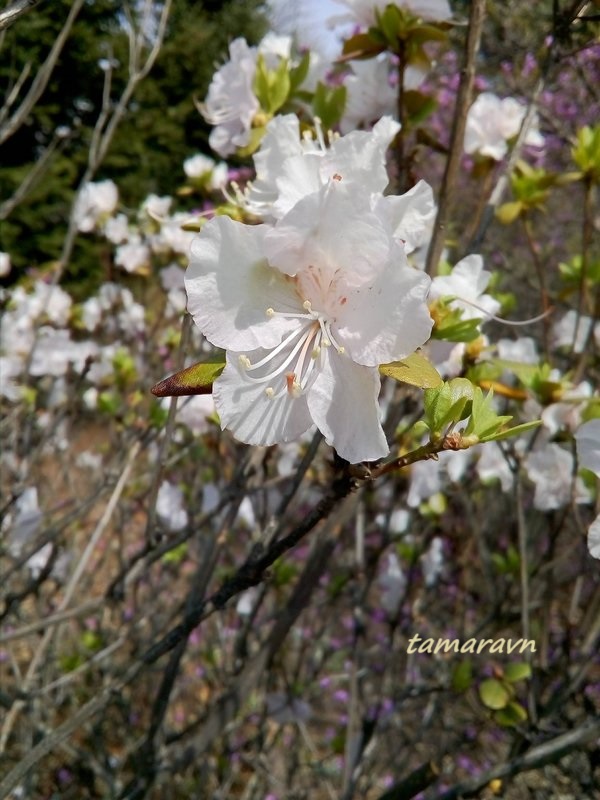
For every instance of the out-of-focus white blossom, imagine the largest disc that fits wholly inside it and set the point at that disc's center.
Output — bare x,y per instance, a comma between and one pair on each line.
466,284
156,207
363,12
170,507
492,465
587,439
594,538
392,582
566,414
563,331
193,412
370,92
55,350
432,561
5,264
523,350
550,468
94,204
116,229
134,256
492,122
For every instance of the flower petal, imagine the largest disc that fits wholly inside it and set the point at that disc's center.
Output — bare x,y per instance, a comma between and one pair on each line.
391,319
230,286
343,402
250,415
333,230
410,215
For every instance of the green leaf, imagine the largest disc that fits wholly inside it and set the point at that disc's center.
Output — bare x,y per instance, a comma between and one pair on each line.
298,74
512,715
363,45
197,379
462,676
329,104
414,369
516,431
446,404
519,671
484,421
508,212
279,88
494,694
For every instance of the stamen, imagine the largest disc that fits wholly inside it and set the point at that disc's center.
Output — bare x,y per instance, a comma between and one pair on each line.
270,312
270,392
245,362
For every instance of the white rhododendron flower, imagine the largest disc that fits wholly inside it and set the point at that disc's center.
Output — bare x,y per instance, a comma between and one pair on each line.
95,204
594,538
492,122
551,469
572,331
170,507
231,104
134,256
370,93
5,264
392,582
288,168
198,165
362,12
467,284
307,310
587,439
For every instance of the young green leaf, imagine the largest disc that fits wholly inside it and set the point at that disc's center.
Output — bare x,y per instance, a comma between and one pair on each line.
414,369
494,694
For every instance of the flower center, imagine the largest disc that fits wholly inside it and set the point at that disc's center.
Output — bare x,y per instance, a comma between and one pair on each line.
293,365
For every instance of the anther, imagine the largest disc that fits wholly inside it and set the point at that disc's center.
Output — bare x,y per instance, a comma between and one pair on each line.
270,312
307,305
245,362
269,391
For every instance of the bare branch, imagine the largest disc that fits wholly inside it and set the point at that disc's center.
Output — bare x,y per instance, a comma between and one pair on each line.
15,10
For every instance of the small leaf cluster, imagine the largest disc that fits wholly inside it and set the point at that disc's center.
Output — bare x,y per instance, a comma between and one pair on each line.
498,694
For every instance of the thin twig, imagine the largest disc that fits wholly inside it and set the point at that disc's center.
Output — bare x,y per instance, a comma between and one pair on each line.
457,137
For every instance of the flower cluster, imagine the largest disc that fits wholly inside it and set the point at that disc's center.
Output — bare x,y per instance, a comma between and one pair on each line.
310,305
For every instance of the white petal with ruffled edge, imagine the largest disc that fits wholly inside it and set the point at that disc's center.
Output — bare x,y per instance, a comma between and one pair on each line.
343,403
230,286
390,319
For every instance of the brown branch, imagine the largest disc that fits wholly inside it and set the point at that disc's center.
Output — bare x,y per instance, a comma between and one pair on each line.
15,10
463,101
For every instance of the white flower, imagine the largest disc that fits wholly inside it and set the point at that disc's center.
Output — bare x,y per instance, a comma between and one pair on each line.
170,508
198,165
231,104
94,204
551,469
362,12
566,415
156,207
11,367
392,582
432,561
172,238
134,256
563,331
425,481
587,439
116,229
594,538
524,349
305,21
288,169
5,264
370,93
492,465
492,122
307,310
194,411
54,351
466,283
